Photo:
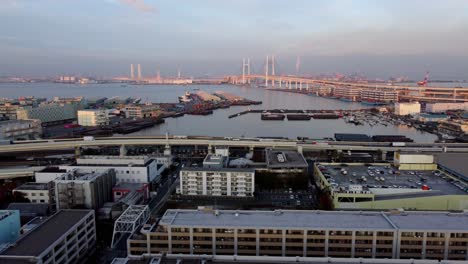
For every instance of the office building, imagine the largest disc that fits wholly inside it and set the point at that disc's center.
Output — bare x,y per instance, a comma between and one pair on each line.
346,234
217,181
382,186
9,226
37,192
84,190
403,109
132,169
68,236
49,113
93,117
20,129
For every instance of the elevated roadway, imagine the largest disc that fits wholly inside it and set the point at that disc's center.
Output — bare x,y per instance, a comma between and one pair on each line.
63,144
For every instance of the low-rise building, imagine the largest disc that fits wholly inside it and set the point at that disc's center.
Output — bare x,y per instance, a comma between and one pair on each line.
37,192
442,107
66,237
132,169
347,93
432,117
403,109
345,234
93,117
122,189
285,160
217,181
8,110
214,161
412,161
84,190
142,111
48,113
453,127
20,129
9,226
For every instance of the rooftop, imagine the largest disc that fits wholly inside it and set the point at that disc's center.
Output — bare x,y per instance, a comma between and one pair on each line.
218,169
39,239
383,179
33,186
291,219
276,158
455,163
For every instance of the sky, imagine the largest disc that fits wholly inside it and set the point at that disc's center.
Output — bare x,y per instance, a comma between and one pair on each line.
210,37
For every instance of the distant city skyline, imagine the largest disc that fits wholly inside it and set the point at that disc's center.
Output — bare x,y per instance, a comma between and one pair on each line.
210,37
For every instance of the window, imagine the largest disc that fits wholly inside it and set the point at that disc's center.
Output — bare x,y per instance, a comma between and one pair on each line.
128,172
41,194
42,201
33,194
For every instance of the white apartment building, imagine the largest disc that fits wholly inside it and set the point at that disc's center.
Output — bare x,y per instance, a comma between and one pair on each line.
65,237
217,181
20,129
93,117
132,169
48,113
407,108
36,192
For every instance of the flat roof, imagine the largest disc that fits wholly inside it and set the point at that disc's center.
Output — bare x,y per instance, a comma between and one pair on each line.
277,158
407,183
39,239
218,169
334,220
455,162
276,219
38,186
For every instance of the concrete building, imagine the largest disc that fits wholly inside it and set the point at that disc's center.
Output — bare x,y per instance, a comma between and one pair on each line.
48,174
379,96
8,110
214,161
345,234
442,107
132,169
403,109
453,128
78,190
347,93
285,160
37,192
20,129
123,189
9,226
411,161
66,237
217,181
93,117
49,113
142,111
382,186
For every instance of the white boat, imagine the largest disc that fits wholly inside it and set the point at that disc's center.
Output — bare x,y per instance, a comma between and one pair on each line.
187,97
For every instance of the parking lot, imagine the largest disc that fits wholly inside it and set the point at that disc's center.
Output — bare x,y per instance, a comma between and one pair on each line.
341,177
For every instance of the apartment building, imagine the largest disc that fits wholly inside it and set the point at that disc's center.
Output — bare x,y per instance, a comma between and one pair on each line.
37,192
66,237
132,169
217,181
342,234
20,129
88,190
93,117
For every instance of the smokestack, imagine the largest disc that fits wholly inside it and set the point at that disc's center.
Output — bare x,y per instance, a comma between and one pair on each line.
132,72
139,71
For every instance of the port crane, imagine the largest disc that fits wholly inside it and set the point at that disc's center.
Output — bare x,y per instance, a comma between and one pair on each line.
424,82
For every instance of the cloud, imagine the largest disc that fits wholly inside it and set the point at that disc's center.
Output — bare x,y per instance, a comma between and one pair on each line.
139,5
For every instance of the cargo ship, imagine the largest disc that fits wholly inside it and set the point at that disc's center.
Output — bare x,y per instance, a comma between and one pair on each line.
298,117
273,117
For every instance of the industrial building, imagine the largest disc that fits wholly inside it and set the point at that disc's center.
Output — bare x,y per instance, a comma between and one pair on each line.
93,117
68,236
133,169
382,186
442,107
20,129
347,93
49,113
9,226
453,127
217,181
403,109
37,192
346,234
88,190
414,161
